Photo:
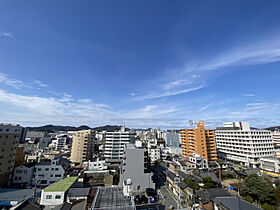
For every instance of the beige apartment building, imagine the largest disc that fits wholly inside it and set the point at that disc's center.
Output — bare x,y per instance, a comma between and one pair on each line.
82,146
9,140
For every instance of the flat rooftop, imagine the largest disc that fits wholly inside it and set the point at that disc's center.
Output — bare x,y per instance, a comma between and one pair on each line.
112,198
62,185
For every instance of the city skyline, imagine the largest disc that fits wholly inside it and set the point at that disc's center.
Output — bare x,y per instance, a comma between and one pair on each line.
145,64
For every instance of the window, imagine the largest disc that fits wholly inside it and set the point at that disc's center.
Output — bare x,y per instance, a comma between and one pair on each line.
58,175
56,169
57,197
44,181
48,196
39,169
46,169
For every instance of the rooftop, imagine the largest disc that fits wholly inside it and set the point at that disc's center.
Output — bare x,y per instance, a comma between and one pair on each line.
235,203
62,185
112,198
15,194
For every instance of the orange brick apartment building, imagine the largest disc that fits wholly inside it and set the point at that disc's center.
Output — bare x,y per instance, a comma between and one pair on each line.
200,141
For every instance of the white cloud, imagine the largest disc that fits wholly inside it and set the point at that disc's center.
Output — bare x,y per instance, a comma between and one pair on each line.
249,95
6,34
195,74
12,82
169,93
39,83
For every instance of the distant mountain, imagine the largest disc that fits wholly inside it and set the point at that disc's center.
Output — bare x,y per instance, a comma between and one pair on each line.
273,128
51,128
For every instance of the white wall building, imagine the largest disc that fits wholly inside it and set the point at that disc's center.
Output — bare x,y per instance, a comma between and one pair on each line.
201,163
46,173
23,174
154,154
55,194
270,164
115,142
236,142
98,165
276,139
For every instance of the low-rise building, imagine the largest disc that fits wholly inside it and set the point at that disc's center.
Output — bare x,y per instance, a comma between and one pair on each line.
98,165
112,198
47,173
55,194
23,174
201,163
75,194
270,164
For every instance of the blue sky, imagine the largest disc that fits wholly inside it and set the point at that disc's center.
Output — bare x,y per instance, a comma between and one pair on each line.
143,63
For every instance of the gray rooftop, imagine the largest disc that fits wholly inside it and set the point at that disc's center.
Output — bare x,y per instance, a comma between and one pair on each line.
15,194
235,203
207,195
112,198
77,192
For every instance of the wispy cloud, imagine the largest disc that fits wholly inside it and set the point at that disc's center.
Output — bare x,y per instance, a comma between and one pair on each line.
6,34
168,93
12,82
40,83
194,75
249,95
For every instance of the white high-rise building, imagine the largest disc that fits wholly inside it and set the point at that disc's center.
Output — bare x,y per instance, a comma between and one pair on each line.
237,143
115,142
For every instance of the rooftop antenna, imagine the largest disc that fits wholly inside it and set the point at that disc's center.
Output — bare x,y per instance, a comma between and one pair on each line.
191,123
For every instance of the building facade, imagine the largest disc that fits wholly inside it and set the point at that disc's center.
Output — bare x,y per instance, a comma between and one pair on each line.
82,146
199,141
238,143
46,173
9,140
133,168
115,142
23,174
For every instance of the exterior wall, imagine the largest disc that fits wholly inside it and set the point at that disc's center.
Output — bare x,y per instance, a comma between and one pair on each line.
9,140
51,198
23,175
45,175
154,154
82,146
97,165
19,156
245,147
172,139
115,142
200,141
276,139
133,168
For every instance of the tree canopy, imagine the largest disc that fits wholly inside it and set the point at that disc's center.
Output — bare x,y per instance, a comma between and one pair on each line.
259,189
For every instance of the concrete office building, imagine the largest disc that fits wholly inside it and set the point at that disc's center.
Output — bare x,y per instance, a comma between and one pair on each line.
198,141
9,140
132,168
82,146
115,142
238,143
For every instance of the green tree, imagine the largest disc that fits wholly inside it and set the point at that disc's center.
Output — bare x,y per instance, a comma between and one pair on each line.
193,184
261,190
208,183
249,199
267,207
277,195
